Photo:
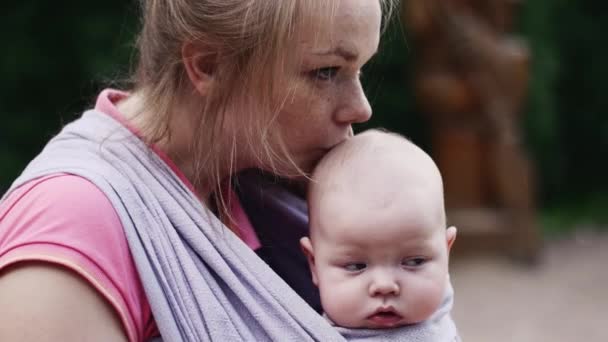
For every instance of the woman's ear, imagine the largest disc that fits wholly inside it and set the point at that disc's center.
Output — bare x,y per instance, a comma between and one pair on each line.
307,248
200,67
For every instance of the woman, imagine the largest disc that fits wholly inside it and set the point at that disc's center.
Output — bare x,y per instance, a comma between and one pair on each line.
220,86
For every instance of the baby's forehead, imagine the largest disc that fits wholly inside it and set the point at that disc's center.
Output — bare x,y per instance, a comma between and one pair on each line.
417,212
362,238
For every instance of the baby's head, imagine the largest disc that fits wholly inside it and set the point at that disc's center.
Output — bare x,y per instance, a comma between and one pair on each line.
378,247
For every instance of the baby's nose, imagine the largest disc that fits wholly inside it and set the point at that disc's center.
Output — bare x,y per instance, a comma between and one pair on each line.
384,285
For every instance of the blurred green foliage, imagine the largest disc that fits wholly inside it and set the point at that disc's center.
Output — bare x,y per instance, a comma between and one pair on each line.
567,125
55,56
58,55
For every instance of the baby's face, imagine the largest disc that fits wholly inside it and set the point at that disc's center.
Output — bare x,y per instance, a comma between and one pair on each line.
380,268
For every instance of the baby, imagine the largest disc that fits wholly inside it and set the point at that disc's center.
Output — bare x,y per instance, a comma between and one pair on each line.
378,247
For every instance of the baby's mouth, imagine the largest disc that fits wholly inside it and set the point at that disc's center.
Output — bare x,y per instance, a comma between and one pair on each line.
385,318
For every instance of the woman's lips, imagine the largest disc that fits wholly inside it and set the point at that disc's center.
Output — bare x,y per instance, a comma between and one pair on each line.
385,318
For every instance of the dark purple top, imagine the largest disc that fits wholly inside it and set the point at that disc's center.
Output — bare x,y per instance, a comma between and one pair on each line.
280,218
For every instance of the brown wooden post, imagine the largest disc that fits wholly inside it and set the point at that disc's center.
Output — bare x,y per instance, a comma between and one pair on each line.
471,76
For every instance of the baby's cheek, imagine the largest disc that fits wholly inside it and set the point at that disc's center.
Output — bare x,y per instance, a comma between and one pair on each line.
426,300
340,299
335,294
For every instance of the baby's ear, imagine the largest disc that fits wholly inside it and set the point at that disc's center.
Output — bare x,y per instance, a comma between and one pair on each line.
450,235
307,248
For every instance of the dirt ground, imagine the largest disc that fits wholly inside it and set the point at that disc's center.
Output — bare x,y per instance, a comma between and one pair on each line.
562,299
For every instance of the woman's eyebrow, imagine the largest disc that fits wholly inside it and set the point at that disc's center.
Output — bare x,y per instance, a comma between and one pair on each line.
340,51
343,52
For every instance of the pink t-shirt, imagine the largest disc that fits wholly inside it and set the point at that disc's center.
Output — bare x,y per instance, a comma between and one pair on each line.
66,220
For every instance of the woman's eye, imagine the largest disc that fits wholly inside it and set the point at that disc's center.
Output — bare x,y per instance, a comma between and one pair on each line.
413,262
355,267
325,74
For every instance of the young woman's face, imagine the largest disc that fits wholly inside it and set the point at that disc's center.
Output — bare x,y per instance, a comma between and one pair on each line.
328,96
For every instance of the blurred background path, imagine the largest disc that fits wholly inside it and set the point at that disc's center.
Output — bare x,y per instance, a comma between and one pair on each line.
563,298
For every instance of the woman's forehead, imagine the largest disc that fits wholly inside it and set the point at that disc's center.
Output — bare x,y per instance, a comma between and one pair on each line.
352,30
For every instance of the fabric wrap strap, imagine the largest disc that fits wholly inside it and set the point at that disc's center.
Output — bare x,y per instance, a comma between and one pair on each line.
202,282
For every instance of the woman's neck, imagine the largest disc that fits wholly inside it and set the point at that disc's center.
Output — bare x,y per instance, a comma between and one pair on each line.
178,144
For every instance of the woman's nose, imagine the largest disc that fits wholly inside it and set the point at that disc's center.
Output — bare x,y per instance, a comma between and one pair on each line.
355,107
384,285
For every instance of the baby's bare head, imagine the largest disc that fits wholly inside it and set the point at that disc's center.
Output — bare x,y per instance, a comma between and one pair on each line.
378,228
375,170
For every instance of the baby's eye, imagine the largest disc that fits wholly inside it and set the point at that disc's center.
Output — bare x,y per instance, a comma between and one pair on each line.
325,74
355,267
413,262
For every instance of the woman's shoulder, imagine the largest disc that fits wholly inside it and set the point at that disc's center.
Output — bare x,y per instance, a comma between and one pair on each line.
61,305
65,220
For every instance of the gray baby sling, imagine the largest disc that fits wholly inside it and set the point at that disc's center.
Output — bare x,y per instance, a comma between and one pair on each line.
202,282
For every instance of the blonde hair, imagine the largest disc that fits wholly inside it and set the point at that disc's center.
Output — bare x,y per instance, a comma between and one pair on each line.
251,40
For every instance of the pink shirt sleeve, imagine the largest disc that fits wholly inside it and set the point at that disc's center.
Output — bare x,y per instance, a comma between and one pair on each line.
66,220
